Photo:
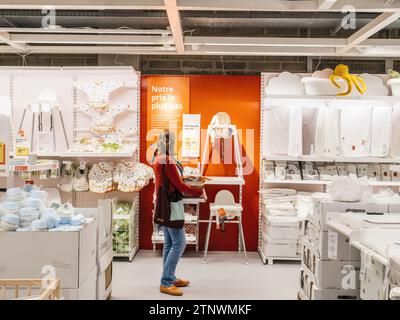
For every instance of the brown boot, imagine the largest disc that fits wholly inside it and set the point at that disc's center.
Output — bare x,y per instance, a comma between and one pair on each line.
181,283
173,291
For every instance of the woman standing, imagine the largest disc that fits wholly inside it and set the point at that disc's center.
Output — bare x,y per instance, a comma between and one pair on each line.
168,181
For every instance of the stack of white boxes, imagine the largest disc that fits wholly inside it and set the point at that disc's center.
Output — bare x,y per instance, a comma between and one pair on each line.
330,268
34,255
104,255
280,232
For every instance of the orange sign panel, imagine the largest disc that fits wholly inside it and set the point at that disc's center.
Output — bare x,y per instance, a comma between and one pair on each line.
167,101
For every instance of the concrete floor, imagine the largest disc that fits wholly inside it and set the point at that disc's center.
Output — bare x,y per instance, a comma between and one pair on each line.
225,276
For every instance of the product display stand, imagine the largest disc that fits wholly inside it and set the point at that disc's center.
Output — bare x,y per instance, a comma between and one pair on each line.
133,217
265,256
191,224
286,91
72,120
238,180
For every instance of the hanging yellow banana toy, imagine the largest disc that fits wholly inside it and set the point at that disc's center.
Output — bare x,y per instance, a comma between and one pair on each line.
342,71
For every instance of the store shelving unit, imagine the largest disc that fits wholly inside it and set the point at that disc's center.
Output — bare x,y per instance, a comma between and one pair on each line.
101,155
74,119
271,100
132,221
40,166
324,183
192,223
333,160
265,257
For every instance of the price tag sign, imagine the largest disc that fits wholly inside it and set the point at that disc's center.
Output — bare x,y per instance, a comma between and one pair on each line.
2,153
21,151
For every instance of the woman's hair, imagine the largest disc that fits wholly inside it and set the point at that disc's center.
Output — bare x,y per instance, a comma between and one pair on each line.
166,143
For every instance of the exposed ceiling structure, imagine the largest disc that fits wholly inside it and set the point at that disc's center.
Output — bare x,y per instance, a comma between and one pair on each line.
195,27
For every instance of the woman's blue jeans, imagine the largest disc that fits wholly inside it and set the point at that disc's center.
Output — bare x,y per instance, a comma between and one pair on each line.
174,245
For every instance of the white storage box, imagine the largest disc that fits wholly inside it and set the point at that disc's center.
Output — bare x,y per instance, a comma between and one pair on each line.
372,279
73,254
104,278
319,244
311,230
395,86
103,216
87,290
280,228
394,277
334,294
280,248
314,293
394,208
322,86
320,209
334,274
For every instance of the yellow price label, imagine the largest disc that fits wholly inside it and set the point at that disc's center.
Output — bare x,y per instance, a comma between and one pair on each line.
2,153
22,151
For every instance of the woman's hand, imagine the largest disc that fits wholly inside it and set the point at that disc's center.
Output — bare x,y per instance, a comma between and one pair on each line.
204,195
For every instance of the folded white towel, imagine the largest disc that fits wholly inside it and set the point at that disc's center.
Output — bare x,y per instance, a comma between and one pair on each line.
285,134
327,132
355,131
395,134
380,131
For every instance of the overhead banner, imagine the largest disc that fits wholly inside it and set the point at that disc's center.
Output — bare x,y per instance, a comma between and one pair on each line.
167,101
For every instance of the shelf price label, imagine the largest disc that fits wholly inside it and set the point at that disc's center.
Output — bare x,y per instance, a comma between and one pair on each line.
2,153
21,151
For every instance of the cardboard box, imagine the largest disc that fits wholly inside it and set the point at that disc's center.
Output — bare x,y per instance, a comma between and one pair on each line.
73,254
280,228
314,293
394,208
103,216
87,290
372,279
320,209
281,248
319,245
333,274
334,294
104,277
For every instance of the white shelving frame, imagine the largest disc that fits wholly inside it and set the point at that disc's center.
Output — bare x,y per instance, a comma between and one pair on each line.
267,101
155,239
104,156
89,197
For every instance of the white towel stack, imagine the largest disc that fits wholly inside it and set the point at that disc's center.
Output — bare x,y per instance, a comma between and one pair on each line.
279,202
